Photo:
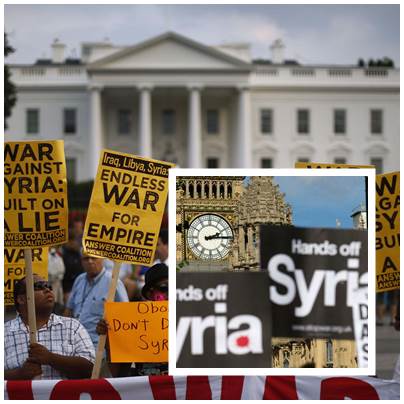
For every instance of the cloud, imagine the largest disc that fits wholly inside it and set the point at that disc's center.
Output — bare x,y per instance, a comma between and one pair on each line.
338,34
346,37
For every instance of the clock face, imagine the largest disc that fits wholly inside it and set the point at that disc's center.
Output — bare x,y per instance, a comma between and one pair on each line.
209,237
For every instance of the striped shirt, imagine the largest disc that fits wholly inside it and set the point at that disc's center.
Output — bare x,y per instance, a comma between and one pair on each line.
61,335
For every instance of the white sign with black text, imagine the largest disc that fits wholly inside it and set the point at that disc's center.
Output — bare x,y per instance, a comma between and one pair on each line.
360,321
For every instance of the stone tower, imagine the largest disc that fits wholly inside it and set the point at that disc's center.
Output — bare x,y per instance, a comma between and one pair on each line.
261,203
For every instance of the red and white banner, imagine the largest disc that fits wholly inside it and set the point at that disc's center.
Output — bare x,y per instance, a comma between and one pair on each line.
207,388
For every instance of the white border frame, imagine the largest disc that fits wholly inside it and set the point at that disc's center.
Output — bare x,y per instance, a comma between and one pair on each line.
291,172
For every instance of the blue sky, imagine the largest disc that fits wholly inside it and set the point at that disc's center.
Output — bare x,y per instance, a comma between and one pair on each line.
319,201
313,34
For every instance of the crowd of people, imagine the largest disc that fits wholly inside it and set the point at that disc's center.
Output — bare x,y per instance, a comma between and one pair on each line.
69,313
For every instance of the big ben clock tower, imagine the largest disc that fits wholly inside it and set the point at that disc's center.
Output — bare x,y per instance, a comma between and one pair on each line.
207,221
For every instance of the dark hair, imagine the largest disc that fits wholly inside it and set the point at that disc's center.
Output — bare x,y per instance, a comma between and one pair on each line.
164,236
153,275
19,287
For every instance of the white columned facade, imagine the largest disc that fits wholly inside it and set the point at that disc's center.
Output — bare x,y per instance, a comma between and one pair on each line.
195,128
145,121
96,143
242,152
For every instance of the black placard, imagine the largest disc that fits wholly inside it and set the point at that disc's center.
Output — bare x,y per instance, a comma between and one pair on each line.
313,273
228,317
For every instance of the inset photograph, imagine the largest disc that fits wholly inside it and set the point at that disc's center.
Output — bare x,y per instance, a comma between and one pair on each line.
272,272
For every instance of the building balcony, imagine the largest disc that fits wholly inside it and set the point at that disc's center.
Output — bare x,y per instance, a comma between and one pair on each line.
37,76
332,76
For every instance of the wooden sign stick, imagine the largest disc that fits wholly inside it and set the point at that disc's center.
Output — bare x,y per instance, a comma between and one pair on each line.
101,342
29,287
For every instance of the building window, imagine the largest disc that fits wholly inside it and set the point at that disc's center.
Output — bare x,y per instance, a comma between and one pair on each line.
376,121
71,169
266,163
340,160
339,121
378,163
69,121
212,121
303,121
329,353
303,160
266,121
33,121
168,121
212,162
124,121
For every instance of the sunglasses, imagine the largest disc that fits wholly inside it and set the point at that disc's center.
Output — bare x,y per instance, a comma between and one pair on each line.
39,285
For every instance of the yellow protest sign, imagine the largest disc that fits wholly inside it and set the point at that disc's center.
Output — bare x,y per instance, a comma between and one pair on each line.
14,268
126,208
35,194
299,164
138,331
388,231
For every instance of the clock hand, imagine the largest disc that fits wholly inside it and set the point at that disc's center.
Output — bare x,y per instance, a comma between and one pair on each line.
211,237
217,235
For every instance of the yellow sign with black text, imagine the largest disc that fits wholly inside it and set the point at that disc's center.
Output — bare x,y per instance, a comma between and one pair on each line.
14,268
388,231
144,324
35,194
126,208
300,164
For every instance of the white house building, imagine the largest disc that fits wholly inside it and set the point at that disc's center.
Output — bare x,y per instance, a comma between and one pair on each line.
175,99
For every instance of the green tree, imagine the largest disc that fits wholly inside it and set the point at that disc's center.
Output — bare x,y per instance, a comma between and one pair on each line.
387,62
10,93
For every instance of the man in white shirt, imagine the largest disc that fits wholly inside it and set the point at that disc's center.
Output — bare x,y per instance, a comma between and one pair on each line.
64,349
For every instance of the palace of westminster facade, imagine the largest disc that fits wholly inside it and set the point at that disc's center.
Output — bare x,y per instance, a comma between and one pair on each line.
237,206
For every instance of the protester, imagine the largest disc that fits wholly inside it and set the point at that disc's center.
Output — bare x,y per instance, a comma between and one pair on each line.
89,292
64,349
162,248
386,301
125,275
56,271
161,256
155,289
396,373
71,254
78,230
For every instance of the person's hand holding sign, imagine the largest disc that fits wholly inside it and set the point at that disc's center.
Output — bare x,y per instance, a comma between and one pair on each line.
29,370
39,354
72,367
102,327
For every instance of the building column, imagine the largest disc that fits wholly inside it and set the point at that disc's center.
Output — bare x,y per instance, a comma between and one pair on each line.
187,188
195,128
241,242
242,153
250,247
210,189
96,143
145,121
